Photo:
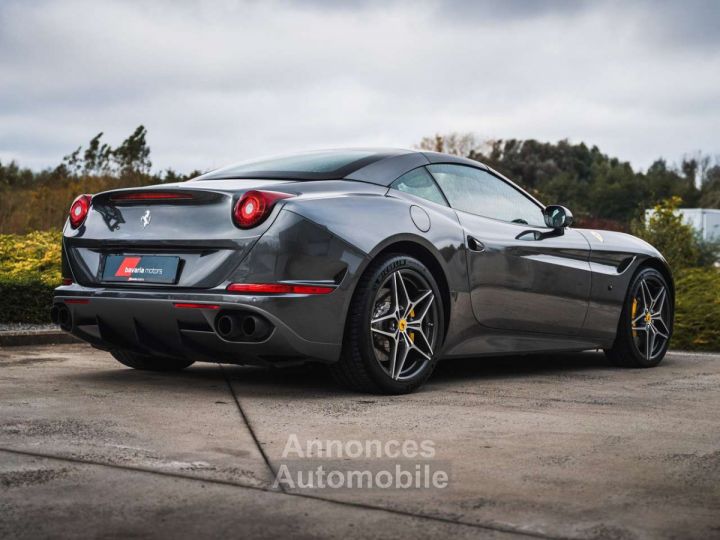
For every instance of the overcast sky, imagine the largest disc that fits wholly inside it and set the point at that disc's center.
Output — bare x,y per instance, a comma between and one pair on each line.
223,81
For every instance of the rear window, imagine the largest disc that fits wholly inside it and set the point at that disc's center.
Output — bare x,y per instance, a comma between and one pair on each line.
307,166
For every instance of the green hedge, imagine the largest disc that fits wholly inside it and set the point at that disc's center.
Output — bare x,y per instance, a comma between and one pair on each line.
697,310
25,299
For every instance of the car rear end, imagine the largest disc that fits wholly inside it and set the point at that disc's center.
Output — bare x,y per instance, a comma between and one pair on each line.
212,270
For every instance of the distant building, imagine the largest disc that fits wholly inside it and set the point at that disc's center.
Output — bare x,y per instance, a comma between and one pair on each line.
705,221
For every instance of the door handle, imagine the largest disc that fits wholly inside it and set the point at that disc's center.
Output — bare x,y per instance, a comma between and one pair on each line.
474,244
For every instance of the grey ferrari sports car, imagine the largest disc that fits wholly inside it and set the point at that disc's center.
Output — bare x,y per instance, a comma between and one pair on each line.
375,262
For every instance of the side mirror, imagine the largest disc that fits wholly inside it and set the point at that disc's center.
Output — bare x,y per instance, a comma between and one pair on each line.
557,217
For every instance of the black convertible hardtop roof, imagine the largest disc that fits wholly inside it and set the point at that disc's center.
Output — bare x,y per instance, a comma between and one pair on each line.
375,165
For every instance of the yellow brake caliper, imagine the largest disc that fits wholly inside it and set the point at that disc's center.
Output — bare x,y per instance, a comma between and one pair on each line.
632,316
412,334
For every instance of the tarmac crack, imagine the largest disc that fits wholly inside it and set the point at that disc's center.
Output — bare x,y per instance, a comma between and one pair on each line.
501,528
249,427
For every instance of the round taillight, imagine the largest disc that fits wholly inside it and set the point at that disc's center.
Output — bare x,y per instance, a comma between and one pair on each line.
254,206
79,210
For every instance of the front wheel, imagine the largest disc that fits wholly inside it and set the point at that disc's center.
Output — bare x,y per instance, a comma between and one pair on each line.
150,363
394,328
646,321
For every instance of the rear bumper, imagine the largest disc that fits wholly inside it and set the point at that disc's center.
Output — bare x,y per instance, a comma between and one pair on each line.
149,322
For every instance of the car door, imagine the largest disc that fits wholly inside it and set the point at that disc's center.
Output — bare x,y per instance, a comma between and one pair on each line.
523,276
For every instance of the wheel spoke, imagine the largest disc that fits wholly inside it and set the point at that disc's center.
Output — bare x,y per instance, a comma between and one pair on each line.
660,298
646,297
638,318
405,293
647,344
665,330
639,328
393,357
427,296
661,334
653,334
425,339
401,363
396,302
418,349
384,333
412,305
388,317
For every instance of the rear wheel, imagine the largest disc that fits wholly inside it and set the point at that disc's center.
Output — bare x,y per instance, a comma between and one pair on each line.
645,324
394,327
150,363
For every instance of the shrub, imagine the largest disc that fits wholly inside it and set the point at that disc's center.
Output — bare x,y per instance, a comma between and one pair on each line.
25,299
29,271
697,309
34,255
666,230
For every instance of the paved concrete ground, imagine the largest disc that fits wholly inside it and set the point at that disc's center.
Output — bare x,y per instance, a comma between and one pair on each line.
561,447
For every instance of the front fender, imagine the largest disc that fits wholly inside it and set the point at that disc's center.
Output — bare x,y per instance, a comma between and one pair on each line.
614,259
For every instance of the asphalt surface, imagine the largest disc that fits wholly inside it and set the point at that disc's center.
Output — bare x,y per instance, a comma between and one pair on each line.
561,446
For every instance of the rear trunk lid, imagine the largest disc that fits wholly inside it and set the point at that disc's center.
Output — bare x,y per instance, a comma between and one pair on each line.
184,232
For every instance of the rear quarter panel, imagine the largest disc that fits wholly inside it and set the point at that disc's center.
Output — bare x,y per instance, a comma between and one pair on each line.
319,236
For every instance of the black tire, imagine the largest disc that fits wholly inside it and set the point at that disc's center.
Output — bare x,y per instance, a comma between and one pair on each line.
629,349
359,368
150,363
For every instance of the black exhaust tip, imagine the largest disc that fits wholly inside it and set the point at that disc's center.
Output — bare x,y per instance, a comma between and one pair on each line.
55,314
60,314
255,327
242,327
228,327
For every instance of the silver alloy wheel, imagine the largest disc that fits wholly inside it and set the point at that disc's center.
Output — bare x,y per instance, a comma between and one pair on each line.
649,313
403,324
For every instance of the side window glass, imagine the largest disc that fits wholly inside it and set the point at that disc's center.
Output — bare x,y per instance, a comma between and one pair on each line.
478,192
420,183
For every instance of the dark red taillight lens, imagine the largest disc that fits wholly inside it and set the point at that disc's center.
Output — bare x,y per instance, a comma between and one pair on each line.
150,196
79,210
254,206
278,288
186,305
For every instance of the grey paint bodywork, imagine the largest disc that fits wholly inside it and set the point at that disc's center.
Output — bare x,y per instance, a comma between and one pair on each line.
515,294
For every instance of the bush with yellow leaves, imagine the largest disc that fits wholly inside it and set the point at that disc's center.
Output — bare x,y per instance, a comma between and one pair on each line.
29,271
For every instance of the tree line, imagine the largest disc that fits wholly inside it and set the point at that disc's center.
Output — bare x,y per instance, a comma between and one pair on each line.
602,191
128,161
39,200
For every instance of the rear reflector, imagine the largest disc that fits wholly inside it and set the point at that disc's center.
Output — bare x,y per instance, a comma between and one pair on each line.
150,196
77,301
196,306
67,281
278,288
